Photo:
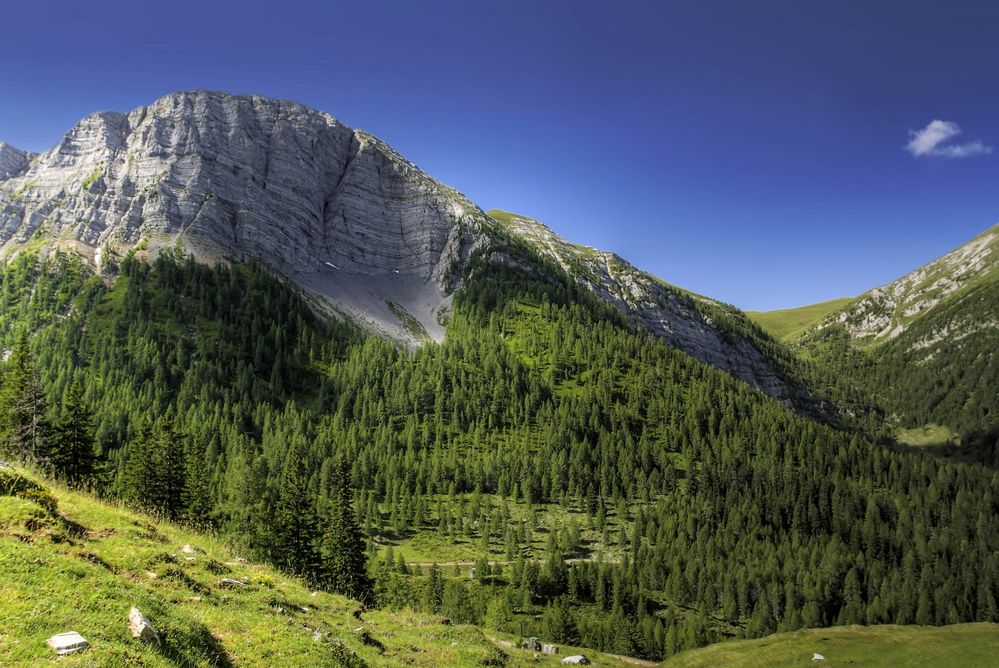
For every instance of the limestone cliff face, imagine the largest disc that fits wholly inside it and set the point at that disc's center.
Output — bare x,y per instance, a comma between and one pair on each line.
238,176
335,209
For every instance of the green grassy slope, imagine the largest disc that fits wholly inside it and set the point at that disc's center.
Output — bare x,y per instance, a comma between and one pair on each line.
790,323
939,646
81,564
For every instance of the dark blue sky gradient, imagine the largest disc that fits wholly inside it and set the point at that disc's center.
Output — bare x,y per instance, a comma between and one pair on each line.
751,151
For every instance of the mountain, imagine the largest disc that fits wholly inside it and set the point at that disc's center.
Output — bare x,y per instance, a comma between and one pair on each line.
582,449
251,178
888,312
369,235
922,346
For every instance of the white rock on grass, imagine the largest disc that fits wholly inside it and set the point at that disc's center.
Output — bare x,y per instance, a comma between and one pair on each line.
141,627
230,583
68,643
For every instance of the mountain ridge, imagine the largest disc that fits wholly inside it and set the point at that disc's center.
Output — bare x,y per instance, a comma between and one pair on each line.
882,313
369,235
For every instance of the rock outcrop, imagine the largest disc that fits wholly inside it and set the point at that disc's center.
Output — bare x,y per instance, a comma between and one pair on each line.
13,161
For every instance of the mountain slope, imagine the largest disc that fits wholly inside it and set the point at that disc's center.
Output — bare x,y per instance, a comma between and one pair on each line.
707,330
70,562
367,233
689,507
789,324
887,312
923,346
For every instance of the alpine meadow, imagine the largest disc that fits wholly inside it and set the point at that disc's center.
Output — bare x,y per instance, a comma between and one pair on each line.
298,403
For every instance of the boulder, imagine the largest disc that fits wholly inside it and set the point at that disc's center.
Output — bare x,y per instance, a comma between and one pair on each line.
68,643
576,660
141,627
230,583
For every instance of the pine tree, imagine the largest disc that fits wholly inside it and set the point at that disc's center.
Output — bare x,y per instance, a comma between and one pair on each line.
74,458
344,564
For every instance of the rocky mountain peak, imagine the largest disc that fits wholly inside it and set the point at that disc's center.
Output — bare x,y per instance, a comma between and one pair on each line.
247,177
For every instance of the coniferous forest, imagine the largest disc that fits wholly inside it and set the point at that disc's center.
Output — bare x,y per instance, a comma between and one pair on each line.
615,492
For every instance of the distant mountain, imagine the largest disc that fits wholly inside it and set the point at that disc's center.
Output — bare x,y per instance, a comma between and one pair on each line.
888,312
362,229
923,346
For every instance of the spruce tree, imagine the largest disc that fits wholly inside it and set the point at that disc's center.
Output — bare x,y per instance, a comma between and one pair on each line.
170,457
434,593
296,532
24,430
74,458
154,472
344,563
197,498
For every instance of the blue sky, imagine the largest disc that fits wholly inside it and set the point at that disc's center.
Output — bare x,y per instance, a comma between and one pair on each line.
758,152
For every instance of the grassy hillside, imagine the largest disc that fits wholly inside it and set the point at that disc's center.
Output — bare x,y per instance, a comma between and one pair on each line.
959,645
71,562
790,323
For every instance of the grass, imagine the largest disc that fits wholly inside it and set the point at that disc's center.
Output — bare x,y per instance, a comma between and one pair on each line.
426,545
927,435
939,646
80,564
790,323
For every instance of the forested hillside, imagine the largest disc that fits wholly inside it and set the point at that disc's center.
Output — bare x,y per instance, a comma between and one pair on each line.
618,494
918,353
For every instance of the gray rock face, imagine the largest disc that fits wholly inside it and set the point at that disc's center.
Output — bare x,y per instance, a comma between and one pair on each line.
13,161
337,210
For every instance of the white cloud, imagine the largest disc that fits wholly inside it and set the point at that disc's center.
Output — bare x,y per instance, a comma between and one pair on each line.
928,142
